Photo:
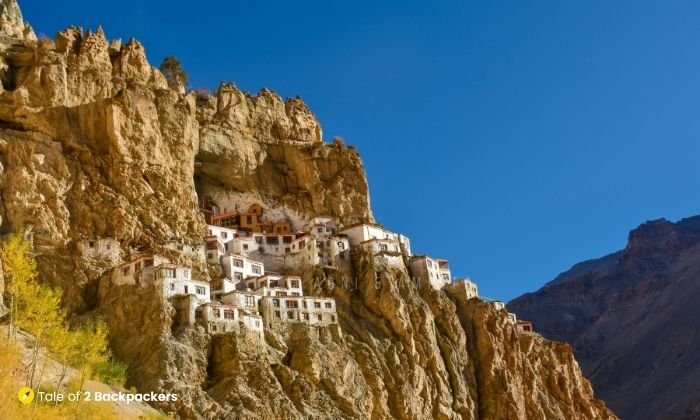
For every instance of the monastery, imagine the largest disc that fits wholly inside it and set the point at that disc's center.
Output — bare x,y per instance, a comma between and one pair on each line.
251,252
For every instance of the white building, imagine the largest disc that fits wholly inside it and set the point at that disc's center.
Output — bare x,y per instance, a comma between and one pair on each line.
218,242
524,327
332,250
290,309
175,280
497,304
226,234
221,318
238,268
170,279
376,246
246,245
100,249
465,288
220,287
194,251
275,285
139,270
247,302
435,272
362,232
278,245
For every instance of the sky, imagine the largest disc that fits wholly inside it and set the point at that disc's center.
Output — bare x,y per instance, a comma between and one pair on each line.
515,138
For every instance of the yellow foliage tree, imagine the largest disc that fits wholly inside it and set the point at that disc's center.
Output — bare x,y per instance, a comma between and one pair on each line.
20,274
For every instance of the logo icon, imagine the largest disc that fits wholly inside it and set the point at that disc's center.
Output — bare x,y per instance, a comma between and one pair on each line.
25,395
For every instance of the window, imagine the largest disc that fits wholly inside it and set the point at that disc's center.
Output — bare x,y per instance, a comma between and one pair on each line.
258,239
287,239
332,318
303,304
245,247
91,244
217,313
320,230
179,247
296,294
383,247
430,264
256,269
287,250
305,315
169,273
237,263
238,276
292,304
272,240
257,323
250,300
148,263
200,290
172,286
126,271
445,277
319,317
186,273
224,235
226,247
295,284
319,244
276,303
317,305
341,245
249,220
228,314
329,305
290,315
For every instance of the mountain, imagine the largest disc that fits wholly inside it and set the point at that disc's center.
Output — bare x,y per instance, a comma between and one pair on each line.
95,145
632,320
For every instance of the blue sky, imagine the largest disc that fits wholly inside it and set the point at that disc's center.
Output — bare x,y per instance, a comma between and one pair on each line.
515,138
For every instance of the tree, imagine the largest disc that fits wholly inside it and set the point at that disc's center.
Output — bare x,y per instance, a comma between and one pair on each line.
20,273
174,73
40,314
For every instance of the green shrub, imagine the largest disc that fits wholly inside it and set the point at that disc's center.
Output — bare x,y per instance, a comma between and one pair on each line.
111,372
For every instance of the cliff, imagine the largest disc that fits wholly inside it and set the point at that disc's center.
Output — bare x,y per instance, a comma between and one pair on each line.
94,144
631,319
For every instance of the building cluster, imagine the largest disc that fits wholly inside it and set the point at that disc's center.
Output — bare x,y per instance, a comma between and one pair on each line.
251,249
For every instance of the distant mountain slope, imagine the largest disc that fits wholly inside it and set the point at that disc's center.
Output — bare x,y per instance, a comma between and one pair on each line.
633,318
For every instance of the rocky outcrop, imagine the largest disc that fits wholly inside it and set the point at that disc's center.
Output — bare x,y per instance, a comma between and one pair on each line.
93,143
12,23
263,149
631,320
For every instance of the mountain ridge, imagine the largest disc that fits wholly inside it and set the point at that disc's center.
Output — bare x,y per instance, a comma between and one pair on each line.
626,314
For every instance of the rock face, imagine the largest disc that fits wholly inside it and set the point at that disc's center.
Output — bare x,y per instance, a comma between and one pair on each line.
94,144
262,149
632,320
12,23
